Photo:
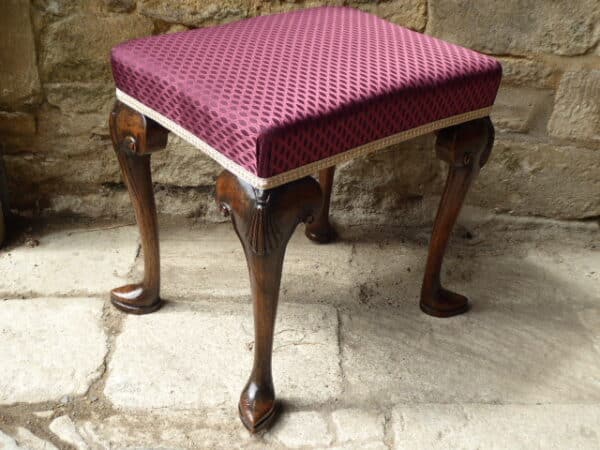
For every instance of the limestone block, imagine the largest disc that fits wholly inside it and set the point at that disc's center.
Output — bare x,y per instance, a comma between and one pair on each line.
522,109
73,262
527,72
181,164
576,112
51,347
195,13
358,425
17,123
302,429
517,27
410,14
211,358
19,79
496,426
528,177
77,48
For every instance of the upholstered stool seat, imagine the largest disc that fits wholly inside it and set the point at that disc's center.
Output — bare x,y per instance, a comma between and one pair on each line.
276,99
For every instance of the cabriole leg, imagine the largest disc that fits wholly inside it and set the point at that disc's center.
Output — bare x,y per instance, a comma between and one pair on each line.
134,137
466,148
320,230
264,222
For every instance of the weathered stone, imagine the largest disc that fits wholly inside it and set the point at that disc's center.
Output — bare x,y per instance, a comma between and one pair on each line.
71,262
527,72
194,13
19,79
496,426
411,14
522,109
181,164
65,429
29,171
381,187
577,109
292,5
7,443
196,270
27,439
178,430
77,48
51,347
212,358
399,357
517,27
302,429
77,109
535,178
16,124
120,6
357,425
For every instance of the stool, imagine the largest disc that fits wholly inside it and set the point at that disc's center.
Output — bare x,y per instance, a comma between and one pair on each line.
275,99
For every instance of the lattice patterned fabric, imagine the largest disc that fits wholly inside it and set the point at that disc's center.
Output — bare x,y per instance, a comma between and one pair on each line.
275,98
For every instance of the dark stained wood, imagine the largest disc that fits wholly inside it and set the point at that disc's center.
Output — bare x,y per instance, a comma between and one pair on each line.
466,148
264,222
320,230
134,138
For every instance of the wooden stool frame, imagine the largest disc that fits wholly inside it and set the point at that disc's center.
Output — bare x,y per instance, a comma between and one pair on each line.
264,221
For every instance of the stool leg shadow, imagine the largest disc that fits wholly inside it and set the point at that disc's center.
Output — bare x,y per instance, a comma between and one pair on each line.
264,221
134,137
466,148
320,230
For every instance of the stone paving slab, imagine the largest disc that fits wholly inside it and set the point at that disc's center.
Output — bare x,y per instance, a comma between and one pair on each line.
199,430
208,262
543,427
49,348
495,354
199,356
70,262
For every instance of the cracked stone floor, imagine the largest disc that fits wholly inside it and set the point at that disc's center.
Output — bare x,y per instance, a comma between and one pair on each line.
356,364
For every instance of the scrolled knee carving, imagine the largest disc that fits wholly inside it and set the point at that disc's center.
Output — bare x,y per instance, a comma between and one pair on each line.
266,218
466,145
133,132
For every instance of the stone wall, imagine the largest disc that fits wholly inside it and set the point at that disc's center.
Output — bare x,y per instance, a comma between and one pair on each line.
56,92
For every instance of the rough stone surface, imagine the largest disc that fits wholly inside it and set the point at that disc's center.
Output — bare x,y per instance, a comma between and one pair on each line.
192,267
181,164
522,109
7,442
402,357
386,186
496,426
358,425
51,348
518,371
65,429
19,79
77,47
526,177
71,262
61,163
27,439
577,110
16,123
517,27
410,14
302,429
212,359
194,13
527,72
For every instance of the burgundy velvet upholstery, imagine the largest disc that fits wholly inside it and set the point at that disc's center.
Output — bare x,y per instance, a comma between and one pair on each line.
278,92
